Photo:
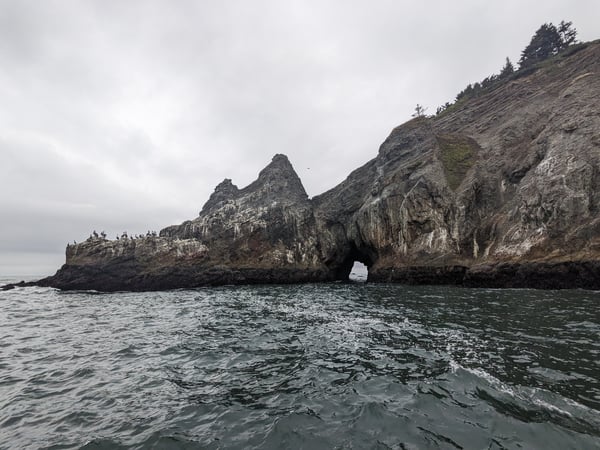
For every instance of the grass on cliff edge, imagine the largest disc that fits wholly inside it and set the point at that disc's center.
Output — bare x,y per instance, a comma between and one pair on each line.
458,154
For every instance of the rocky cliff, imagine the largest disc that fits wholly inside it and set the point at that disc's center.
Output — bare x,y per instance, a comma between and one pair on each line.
504,183
498,190
263,233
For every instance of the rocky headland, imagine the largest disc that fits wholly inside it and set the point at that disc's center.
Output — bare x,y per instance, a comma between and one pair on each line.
499,190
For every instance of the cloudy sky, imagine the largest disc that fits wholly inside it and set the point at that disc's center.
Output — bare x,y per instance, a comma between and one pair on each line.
123,115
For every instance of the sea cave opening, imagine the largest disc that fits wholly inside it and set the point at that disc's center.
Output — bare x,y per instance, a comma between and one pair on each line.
355,264
359,272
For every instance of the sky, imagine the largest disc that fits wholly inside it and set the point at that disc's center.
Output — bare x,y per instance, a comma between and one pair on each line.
124,115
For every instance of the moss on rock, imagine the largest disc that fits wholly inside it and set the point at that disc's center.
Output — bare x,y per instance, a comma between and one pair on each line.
457,154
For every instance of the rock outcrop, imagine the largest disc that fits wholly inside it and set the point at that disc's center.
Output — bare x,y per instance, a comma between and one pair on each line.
264,233
507,182
499,190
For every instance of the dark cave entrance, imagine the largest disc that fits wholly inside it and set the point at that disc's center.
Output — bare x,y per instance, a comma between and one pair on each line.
355,267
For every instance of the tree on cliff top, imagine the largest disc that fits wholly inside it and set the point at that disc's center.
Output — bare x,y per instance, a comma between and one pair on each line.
547,41
508,68
419,111
568,34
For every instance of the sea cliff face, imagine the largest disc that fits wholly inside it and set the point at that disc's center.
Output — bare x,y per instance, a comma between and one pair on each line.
505,180
499,190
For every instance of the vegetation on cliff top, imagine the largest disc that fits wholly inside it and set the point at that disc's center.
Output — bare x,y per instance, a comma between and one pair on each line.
547,42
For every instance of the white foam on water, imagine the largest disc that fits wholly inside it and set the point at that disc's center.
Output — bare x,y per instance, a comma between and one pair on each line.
543,399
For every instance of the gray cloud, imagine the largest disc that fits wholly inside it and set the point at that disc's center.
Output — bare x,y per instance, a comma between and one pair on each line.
125,115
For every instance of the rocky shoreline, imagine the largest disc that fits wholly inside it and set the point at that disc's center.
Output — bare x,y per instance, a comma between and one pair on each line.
560,275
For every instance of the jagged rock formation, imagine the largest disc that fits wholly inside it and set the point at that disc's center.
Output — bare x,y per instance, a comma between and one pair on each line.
264,233
500,190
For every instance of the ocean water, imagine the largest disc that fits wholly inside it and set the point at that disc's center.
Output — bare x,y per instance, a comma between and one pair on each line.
316,366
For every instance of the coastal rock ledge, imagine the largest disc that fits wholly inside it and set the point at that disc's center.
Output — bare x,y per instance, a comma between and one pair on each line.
499,190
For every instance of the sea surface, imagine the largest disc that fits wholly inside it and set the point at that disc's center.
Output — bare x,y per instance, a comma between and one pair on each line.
315,366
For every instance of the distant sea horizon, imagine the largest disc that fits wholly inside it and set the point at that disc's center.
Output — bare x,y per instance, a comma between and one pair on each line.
7,279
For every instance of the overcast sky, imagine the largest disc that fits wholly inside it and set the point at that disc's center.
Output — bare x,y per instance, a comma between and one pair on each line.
124,115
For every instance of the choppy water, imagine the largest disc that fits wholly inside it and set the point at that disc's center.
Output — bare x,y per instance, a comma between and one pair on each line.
307,366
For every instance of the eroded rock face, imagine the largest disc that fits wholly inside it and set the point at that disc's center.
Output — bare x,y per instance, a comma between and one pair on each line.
509,178
264,233
270,223
501,190
130,264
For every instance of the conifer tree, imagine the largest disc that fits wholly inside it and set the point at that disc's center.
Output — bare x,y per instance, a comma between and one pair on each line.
568,34
547,41
419,111
508,68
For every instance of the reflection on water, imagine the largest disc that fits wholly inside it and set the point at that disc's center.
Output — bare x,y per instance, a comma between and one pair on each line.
308,366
